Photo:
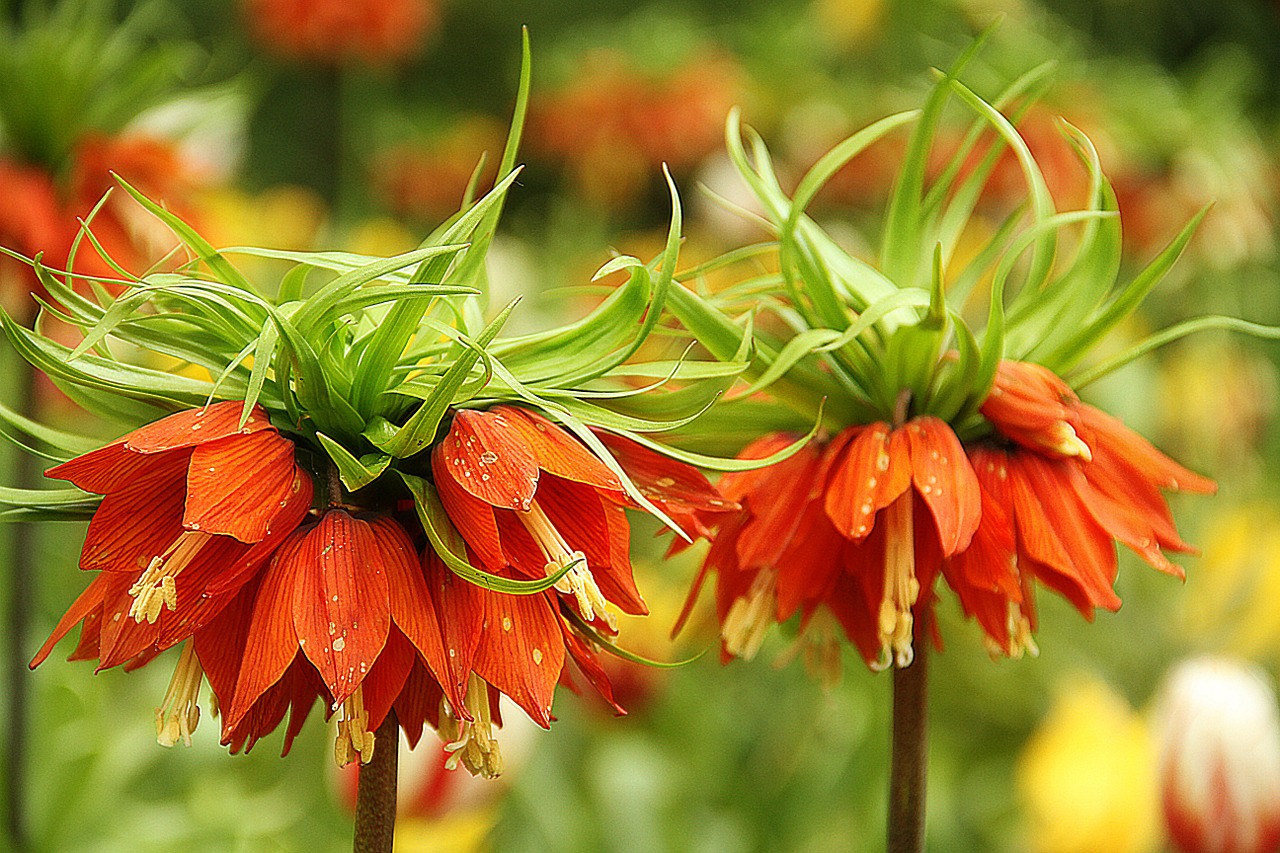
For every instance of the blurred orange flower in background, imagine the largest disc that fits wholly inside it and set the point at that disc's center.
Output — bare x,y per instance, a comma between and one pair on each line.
374,32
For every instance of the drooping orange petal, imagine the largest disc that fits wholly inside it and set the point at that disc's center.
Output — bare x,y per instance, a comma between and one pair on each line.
556,450
736,485
197,426
461,608
297,505
412,609
859,589
387,677
808,568
985,575
1055,530
220,643
471,516
108,468
945,481
1134,513
341,609
86,602
236,486
772,507
665,481
521,650
418,704
121,637
592,525
589,665
874,472
137,522
485,455
1111,438
295,693
272,642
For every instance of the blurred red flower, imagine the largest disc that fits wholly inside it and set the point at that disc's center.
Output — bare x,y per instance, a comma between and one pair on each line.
373,32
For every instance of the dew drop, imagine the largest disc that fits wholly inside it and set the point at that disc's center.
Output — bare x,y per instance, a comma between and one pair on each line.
488,457
339,644
666,482
537,657
506,623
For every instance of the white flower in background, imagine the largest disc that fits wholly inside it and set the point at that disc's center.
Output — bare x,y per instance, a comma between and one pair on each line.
1220,758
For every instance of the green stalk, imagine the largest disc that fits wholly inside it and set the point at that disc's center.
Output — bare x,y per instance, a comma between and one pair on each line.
908,771
376,799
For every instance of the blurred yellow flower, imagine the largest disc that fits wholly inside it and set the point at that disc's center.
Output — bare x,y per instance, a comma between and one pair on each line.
1087,776
282,217
1231,597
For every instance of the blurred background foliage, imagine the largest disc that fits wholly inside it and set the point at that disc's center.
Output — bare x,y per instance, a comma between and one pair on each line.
335,123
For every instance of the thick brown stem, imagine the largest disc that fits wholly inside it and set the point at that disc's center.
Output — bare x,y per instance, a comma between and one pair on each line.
909,769
376,800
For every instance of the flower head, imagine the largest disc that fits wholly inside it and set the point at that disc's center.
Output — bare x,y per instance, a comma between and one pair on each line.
1220,758
194,505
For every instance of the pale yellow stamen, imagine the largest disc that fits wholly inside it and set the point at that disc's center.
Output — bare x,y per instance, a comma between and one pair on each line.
178,714
155,588
578,581
354,740
1068,443
750,616
901,588
471,742
1021,640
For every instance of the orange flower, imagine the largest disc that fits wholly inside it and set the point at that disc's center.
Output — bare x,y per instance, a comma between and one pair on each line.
865,523
370,31
861,524
343,613
530,499
194,505
1076,481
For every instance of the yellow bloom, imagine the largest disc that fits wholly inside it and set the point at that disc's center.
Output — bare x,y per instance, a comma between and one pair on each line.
1087,776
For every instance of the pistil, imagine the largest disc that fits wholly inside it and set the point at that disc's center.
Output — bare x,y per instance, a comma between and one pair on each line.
578,580
178,714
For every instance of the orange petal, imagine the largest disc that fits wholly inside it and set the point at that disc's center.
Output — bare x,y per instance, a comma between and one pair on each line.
521,650
556,450
387,677
237,486
471,516
944,479
461,608
197,426
772,506
808,568
874,471
589,665
1111,438
485,455
341,608
138,522
412,609
272,641
298,504
1056,531
106,469
663,480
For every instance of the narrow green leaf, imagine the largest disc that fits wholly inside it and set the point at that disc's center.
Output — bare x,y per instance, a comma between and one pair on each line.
355,473
614,649
449,544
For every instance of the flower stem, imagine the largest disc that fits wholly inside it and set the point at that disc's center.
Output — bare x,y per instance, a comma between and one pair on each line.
376,800
22,547
909,768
